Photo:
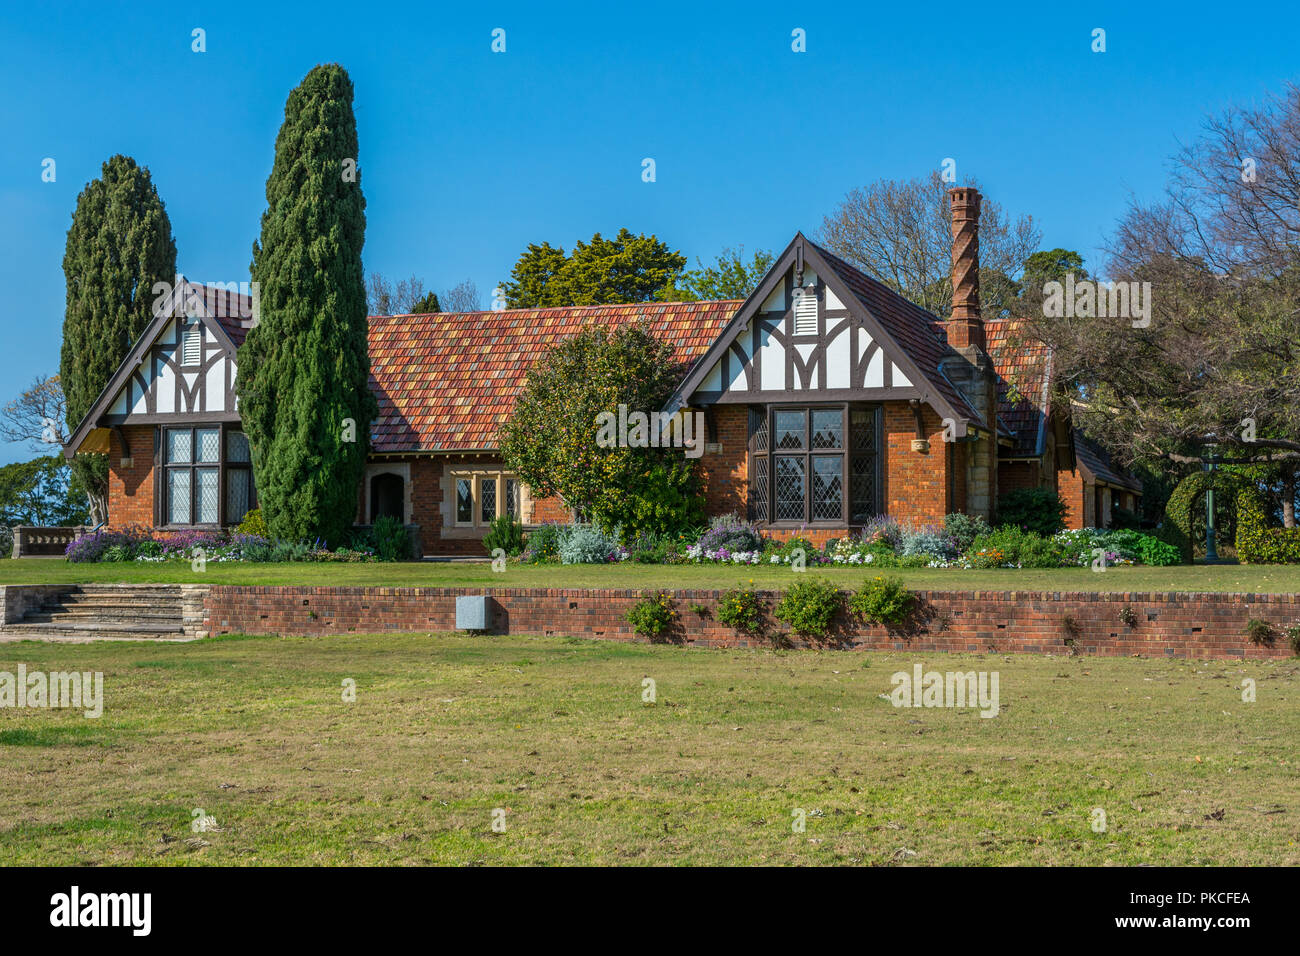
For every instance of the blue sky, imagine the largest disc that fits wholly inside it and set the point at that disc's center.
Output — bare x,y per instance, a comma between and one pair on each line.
467,156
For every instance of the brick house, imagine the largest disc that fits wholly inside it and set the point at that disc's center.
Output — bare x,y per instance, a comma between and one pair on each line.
827,399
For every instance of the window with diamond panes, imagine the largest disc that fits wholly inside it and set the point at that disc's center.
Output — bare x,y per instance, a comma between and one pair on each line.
864,459
195,468
813,464
758,466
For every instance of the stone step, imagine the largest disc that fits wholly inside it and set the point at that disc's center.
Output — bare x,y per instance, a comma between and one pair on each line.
88,601
97,614
94,628
125,592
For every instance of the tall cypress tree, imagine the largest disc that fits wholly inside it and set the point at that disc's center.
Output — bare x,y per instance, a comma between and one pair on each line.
304,369
120,244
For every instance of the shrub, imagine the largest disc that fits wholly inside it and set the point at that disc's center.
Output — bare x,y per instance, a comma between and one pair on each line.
884,601
1123,518
1256,542
6,541
651,616
1293,638
1259,632
1158,553
742,609
91,547
809,607
1039,510
883,529
1181,527
505,533
729,533
543,543
962,529
585,544
254,523
390,539
1010,545
930,542
787,552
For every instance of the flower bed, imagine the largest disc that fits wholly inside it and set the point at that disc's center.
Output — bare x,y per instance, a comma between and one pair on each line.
150,545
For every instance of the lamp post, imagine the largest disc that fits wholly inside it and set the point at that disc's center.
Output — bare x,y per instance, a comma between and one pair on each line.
1211,553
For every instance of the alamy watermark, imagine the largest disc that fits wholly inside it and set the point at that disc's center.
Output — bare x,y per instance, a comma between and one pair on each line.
652,430
80,690
232,299
953,689
1086,299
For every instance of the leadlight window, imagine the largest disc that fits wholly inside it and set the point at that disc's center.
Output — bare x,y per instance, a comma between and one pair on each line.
195,471
813,464
464,501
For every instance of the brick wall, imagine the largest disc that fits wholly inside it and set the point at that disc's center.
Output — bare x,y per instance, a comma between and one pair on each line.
726,474
1015,475
916,483
1168,625
1077,497
130,488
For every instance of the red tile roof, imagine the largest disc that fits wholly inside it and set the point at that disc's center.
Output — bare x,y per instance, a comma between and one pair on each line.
1023,365
233,311
449,380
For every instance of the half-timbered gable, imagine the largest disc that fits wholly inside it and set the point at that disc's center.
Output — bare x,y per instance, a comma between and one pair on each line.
169,417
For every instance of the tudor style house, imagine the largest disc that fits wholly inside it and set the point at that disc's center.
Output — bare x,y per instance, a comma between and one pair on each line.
827,398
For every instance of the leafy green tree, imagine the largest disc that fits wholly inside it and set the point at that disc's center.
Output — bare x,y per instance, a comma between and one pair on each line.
730,277
550,439
119,245
304,368
626,268
532,282
41,492
426,304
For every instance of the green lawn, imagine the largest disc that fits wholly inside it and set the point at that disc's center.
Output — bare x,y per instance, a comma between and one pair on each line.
446,729
1253,578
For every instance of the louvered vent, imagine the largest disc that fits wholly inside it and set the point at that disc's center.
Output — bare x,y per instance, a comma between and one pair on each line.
805,312
192,343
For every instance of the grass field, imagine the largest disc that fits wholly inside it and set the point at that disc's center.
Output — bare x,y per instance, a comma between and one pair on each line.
446,729
1245,578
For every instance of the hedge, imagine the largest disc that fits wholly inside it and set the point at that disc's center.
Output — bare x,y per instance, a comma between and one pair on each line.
1257,543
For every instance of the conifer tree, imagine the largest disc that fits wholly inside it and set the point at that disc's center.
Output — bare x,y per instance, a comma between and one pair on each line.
119,245
304,368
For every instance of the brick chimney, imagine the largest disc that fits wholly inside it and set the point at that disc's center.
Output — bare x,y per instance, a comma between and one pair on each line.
971,369
964,327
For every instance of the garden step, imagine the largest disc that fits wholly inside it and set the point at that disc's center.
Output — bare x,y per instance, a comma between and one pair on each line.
92,628
87,601
110,611
87,614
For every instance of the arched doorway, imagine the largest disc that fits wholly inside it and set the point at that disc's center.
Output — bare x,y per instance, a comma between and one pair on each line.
387,497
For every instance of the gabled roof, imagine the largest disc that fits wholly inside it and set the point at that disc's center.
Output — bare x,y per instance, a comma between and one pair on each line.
1024,368
218,309
1095,462
448,381
910,336
919,333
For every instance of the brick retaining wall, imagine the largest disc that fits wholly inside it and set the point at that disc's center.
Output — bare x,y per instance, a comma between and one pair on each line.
1201,625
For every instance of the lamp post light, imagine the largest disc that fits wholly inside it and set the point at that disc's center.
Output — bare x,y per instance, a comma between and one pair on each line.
1211,553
